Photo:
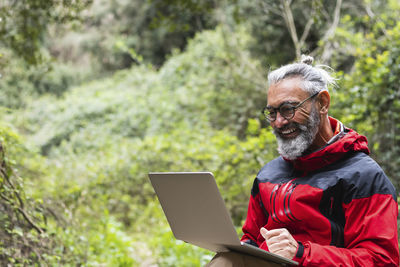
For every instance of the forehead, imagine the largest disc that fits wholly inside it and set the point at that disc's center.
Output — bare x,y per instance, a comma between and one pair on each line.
287,90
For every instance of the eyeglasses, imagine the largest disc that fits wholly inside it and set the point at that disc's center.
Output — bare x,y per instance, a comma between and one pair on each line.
286,110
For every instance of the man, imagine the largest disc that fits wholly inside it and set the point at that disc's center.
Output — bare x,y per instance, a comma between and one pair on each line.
324,202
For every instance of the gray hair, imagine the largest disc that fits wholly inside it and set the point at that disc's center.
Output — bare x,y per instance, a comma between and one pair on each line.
315,79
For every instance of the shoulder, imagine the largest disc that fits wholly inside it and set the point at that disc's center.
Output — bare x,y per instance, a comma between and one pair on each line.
360,176
368,178
275,169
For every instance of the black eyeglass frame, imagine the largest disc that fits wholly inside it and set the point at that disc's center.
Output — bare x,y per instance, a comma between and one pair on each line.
293,108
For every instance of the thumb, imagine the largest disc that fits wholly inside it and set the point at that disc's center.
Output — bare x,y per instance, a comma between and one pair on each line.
264,232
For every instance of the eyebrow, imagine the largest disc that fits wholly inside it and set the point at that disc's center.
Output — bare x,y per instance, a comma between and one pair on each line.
283,103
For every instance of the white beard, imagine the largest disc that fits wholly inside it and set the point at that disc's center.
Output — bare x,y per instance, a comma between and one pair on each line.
295,147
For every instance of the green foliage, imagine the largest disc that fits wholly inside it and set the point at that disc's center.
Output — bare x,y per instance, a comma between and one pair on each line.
88,146
109,243
23,24
24,240
113,175
111,30
216,77
21,82
101,139
167,251
213,82
182,254
374,99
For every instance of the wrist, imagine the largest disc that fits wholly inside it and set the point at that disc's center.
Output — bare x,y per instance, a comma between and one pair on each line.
300,251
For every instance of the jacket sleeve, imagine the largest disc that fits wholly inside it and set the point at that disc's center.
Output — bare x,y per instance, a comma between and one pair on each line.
256,217
370,236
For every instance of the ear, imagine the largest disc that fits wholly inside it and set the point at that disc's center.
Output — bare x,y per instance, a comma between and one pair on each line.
324,100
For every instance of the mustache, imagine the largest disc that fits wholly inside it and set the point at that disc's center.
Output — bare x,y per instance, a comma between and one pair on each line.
291,125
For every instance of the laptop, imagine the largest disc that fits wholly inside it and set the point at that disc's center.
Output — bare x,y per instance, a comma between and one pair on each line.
197,213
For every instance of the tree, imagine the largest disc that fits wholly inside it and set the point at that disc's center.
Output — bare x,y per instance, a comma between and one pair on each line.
25,236
285,29
118,34
23,24
372,100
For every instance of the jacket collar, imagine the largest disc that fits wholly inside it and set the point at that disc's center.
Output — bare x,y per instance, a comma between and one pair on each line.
345,141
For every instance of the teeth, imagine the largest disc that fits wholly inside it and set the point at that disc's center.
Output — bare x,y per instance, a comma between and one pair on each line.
288,131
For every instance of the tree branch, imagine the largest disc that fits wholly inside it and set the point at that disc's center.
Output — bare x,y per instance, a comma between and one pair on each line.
327,48
288,16
16,194
28,219
306,31
268,8
336,18
369,11
24,214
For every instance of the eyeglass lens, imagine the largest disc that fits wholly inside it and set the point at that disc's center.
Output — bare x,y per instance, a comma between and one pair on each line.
286,111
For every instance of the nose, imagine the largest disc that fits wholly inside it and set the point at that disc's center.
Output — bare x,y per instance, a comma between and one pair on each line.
279,122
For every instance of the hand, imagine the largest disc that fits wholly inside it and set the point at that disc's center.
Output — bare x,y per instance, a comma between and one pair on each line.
280,241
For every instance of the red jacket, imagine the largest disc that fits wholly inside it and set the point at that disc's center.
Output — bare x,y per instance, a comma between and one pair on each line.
336,202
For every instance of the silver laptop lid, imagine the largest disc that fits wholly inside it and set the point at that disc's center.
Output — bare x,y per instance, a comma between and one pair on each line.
197,214
195,209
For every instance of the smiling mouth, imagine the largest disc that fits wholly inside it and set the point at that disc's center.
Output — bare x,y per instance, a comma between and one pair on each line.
289,131
292,132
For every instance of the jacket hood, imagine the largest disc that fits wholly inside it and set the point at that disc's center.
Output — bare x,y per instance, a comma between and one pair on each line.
351,141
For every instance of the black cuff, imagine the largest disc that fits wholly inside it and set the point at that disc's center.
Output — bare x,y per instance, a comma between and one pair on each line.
300,250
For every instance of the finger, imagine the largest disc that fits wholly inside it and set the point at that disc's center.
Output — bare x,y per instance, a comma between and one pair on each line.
264,233
286,245
267,234
275,239
274,245
284,238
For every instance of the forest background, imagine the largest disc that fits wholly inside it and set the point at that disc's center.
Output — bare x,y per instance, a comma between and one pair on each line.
94,94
